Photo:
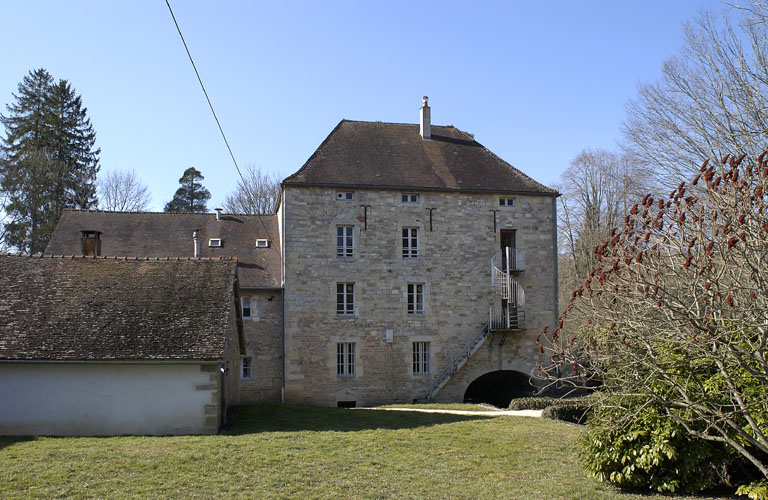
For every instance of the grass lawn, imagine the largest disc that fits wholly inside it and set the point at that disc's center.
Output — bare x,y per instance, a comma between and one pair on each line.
286,451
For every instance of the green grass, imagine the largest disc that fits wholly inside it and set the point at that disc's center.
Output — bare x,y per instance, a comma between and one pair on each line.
276,451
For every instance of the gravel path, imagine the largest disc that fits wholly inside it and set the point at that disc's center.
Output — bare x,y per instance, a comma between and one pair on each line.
491,413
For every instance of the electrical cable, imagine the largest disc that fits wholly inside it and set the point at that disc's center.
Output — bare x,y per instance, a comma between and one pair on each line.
218,123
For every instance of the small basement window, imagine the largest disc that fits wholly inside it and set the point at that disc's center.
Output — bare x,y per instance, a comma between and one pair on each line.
262,243
345,195
214,242
506,202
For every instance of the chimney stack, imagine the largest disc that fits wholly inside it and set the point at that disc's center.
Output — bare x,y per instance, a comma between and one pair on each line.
425,127
194,238
90,243
218,213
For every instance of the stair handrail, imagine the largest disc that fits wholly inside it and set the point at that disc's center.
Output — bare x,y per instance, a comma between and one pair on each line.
457,362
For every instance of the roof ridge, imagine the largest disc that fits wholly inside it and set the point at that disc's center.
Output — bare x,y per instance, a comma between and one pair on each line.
116,257
212,214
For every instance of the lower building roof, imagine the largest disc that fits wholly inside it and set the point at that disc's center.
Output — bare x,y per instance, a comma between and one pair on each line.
98,309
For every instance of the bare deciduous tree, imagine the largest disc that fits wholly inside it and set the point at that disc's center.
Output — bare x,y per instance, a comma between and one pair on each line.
256,196
677,309
712,98
123,192
595,193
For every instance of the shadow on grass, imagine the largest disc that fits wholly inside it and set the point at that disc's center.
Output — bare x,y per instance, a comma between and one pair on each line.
277,417
6,441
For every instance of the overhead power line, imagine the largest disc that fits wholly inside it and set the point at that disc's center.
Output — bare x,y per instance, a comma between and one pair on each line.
218,123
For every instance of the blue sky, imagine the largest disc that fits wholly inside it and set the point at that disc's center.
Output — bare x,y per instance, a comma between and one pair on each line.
536,82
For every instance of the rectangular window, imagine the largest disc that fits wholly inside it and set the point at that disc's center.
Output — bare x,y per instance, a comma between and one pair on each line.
415,298
345,299
420,358
262,243
410,242
410,198
345,359
506,202
345,195
245,368
345,241
245,303
214,242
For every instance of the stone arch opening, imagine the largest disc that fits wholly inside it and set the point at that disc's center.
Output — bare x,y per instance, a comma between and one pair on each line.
499,388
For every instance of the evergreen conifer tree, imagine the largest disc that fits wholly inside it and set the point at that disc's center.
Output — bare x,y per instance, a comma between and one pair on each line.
47,159
192,196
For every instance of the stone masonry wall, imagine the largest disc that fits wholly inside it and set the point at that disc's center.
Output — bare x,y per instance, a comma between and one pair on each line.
454,265
263,344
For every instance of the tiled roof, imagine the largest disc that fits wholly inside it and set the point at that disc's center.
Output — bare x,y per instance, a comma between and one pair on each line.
97,309
393,155
159,234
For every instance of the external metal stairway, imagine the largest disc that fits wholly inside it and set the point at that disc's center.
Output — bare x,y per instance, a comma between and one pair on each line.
505,316
444,376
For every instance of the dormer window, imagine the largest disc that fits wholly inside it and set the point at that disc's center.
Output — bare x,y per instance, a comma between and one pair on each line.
262,243
345,195
410,198
506,202
214,242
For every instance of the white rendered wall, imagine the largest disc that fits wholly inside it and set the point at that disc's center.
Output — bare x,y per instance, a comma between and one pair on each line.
104,399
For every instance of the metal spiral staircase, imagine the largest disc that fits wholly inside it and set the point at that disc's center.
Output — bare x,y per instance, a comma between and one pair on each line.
508,315
508,312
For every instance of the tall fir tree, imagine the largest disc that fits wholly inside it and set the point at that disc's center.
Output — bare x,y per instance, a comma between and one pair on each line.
192,196
47,159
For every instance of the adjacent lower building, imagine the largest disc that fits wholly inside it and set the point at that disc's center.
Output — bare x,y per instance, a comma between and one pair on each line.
94,346
404,263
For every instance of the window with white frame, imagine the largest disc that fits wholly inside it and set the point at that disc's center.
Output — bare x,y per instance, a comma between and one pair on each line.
415,298
420,358
506,202
345,359
245,368
345,299
410,242
345,241
345,195
245,307
410,198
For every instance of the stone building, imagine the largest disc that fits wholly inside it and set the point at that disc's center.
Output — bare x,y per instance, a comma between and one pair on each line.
405,262
395,277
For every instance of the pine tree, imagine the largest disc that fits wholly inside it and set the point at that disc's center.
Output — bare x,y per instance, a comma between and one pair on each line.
192,196
47,159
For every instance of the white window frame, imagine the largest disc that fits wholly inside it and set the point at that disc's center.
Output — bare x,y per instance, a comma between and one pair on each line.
415,296
246,304
410,242
345,299
345,241
215,242
246,367
421,358
262,243
506,202
345,196
345,359
409,197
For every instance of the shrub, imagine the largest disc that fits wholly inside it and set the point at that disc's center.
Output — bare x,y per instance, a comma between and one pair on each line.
576,411
650,450
532,403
